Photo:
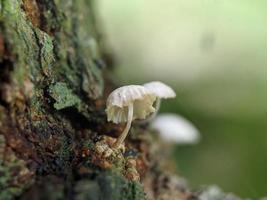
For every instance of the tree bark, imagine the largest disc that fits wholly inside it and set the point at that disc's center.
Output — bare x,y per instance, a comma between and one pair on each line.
53,130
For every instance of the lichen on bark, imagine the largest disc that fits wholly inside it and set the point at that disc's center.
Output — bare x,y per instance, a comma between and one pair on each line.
46,60
51,99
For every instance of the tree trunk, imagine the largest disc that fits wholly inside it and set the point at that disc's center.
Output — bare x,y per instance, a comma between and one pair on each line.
53,131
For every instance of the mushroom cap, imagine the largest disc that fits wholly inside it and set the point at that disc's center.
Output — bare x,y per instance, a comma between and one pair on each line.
175,128
119,100
161,90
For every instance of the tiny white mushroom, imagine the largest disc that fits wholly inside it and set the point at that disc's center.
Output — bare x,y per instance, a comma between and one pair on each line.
162,91
174,128
128,103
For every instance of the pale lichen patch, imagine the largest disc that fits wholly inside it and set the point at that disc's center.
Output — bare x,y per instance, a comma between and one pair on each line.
63,96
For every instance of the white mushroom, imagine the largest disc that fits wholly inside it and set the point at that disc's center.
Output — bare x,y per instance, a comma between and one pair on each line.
174,128
162,91
128,103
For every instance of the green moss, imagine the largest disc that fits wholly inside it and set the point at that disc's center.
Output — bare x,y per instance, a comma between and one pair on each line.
8,172
65,152
69,54
46,54
5,176
134,191
63,96
15,27
6,195
11,7
118,160
115,187
109,186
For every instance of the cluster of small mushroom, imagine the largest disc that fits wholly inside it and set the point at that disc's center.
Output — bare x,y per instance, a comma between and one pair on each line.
131,102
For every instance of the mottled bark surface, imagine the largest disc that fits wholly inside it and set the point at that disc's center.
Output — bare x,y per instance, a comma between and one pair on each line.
53,130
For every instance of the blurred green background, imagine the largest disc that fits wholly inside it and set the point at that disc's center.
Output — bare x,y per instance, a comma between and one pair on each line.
214,53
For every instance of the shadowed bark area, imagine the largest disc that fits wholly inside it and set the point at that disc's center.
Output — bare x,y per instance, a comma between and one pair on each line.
54,137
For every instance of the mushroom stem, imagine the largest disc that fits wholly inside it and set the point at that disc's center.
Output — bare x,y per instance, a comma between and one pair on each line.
157,107
127,128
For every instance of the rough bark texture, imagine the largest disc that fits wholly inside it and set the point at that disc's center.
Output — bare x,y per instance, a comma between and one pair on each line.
54,137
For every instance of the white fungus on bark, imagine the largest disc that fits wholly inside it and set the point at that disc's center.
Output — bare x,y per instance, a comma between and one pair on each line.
162,91
128,103
176,129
